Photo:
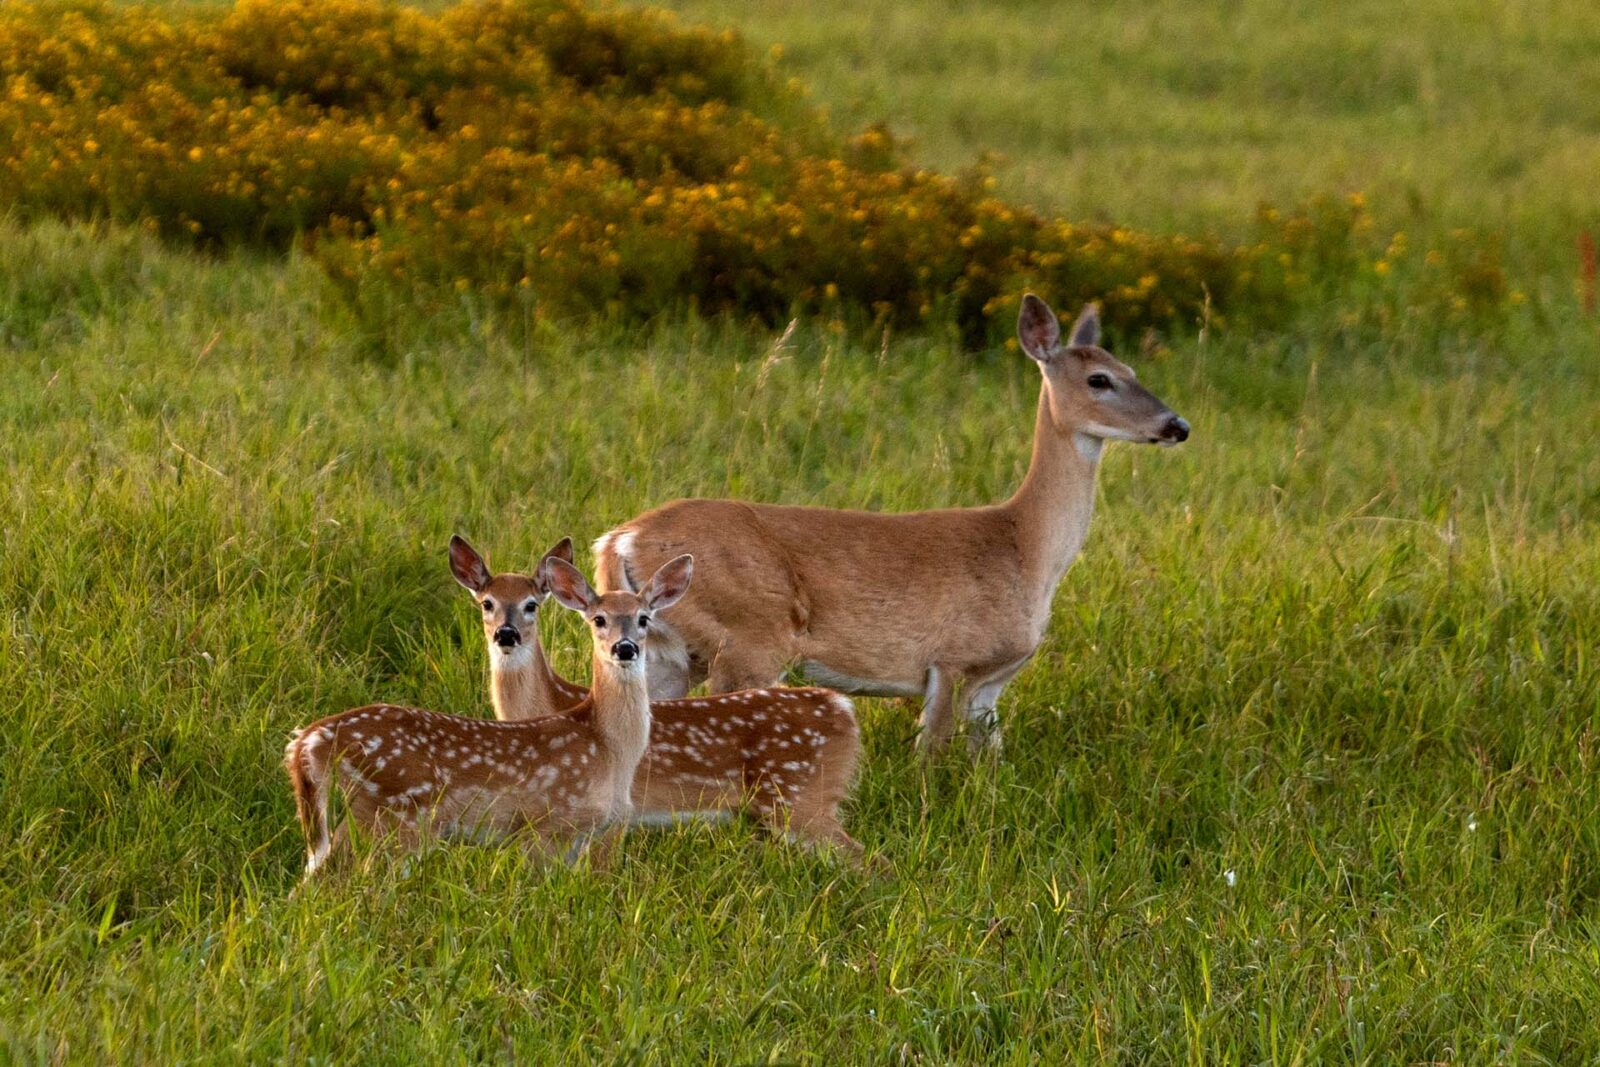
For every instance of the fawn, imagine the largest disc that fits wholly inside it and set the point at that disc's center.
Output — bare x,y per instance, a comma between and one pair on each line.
969,590
407,772
521,683
785,756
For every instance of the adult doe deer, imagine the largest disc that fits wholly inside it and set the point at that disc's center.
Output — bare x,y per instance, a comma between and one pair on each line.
406,772
785,756
898,604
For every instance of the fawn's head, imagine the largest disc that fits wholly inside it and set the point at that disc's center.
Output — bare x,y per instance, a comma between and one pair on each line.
509,602
1090,391
620,620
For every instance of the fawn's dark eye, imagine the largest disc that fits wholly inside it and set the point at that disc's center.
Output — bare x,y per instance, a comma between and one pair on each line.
600,621
531,606
644,622
1099,381
488,605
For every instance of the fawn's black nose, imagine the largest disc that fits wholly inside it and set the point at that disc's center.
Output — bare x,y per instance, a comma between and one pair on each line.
625,650
507,637
1176,429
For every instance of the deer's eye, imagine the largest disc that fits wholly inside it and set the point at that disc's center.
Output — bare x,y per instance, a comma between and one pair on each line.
644,622
531,606
488,605
1099,381
600,621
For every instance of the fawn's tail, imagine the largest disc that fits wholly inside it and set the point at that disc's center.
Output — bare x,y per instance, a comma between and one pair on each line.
305,759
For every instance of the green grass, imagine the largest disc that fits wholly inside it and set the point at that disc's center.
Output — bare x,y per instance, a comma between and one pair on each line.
1340,644
1168,113
1307,768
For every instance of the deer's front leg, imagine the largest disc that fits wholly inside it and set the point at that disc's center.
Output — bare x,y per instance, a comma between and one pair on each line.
983,721
981,695
938,711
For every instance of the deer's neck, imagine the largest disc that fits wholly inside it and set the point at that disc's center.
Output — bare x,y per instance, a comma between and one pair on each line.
522,685
1055,503
622,720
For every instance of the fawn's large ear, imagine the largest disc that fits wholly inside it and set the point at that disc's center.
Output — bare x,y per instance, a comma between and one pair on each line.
567,585
468,567
1086,331
1037,329
561,551
667,586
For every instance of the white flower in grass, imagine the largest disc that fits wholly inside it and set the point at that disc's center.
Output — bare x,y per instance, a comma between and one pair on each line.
1231,877
1472,823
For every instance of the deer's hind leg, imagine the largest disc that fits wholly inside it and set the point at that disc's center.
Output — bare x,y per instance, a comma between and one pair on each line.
747,665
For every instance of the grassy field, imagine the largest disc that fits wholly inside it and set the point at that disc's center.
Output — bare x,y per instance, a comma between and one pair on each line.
1164,113
1306,769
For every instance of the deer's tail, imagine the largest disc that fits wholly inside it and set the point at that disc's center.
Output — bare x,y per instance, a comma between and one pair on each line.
306,760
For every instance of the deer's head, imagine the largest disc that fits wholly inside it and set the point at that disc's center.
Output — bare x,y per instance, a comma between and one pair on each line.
620,621
509,602
1091,392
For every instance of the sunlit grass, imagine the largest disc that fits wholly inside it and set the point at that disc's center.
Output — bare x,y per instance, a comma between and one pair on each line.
1305,770
1306,766
1173,113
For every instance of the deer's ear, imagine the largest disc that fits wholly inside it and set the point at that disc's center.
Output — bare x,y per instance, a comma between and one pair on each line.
468,567
1037,329
570,588
667,586
1086,331
562,550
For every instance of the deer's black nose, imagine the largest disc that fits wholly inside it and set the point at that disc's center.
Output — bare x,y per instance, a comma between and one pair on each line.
625,650
507,637
1176,429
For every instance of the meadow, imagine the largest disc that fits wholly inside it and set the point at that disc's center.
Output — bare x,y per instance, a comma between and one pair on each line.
1172,115
1305,771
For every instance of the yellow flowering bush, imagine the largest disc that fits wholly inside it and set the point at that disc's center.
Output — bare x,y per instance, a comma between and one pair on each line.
554,156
